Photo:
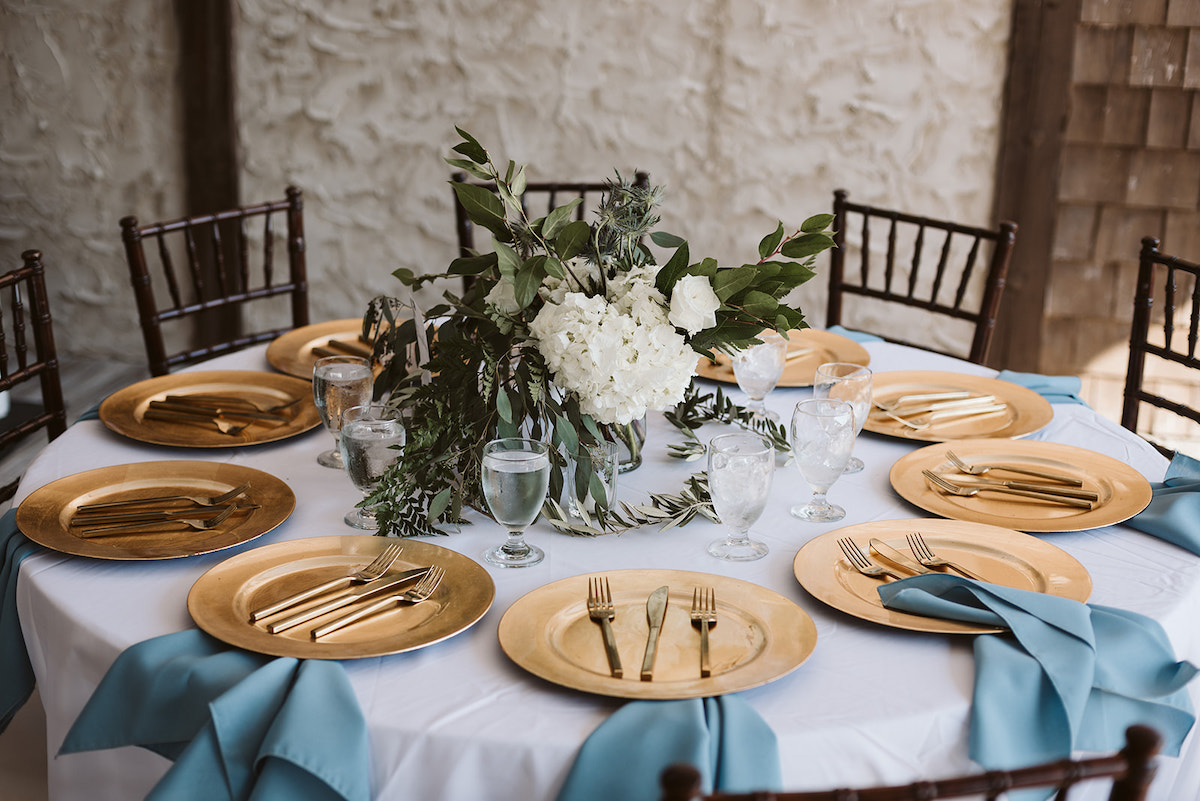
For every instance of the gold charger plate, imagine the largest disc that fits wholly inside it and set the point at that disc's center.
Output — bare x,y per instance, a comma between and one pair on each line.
1006,556
45,515
124,410
1027,412
221,600
826,347
1123,491
760,636
292,353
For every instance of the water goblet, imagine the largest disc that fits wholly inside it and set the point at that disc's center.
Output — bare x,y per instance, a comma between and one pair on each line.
757,370
850,383
514,476
591,478
339,382
740,468
371,437
821,436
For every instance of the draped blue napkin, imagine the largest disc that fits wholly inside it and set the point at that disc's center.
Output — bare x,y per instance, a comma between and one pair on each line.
1072,677
1174,511
723,737
16,674
1054,388
237,725
857,336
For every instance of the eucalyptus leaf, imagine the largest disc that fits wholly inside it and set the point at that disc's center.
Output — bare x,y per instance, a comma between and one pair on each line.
675,268
571,239
482,173
558,219
439,503
665,240
482,207
507,260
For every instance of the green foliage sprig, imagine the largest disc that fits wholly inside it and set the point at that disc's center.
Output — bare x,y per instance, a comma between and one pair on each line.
696,409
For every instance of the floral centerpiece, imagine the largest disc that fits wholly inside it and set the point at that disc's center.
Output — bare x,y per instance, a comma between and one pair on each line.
568,331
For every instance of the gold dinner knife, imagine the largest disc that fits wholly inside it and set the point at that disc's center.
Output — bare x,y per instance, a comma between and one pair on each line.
367,592
885,551
656,610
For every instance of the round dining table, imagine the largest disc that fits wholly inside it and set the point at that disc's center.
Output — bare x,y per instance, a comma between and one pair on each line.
460,719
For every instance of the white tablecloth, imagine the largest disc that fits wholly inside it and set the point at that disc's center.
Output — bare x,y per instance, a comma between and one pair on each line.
459,720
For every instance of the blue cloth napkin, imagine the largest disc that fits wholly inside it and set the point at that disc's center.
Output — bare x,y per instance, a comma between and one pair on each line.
723,737
1174,511
857,336
16,674
237,725
1054,388
1072,677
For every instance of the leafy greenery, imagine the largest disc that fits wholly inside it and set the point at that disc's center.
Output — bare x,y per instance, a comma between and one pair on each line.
696,409
478,373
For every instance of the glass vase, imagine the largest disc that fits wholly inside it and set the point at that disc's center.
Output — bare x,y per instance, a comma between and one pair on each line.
630,439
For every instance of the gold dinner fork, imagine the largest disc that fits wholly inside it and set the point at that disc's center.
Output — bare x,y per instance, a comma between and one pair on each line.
704,614
363,575
199,500
202,524
921,550
969,492
980,469
224,426
420,592
600,609
862,564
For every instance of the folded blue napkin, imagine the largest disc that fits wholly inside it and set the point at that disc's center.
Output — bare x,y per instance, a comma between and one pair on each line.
1072,677
1174,511
237,725
1054,388
857,336
723,737
16,674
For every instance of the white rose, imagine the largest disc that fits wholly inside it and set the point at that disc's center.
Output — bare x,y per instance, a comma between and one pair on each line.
693,304
504,297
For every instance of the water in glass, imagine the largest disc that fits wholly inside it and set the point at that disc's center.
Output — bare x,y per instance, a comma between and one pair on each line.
371,437
740,471
821,436
514,476
850,383
339,382
757,370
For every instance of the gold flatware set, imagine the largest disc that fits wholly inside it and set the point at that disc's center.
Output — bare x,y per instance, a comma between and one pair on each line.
601,610
338,347
885,561
935,407
1065,489
149,515
230,414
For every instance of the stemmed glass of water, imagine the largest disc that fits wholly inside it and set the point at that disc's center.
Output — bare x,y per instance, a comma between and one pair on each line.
740,468
850,383
339,382
370,442
515,475
757,370
821,436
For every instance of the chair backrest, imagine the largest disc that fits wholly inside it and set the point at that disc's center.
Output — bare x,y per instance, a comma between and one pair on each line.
1180,285
549,194
1130,770
25,314
911,277
228,267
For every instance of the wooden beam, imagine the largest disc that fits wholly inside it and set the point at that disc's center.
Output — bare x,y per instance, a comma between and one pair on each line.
1036,103
210,157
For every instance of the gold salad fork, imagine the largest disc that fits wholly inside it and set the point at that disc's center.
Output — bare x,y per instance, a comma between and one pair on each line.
199,500
202,524
420,592
600,609
862,564
981,469
704,614
921,550
363,575
969,492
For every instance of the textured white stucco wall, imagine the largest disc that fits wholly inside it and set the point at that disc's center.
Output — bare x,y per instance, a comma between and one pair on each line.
748,111
89,127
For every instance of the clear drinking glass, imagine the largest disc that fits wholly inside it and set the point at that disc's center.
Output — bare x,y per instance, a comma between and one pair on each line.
370,442
740,468
591,477
822,436
339,382
515,475
850,383
757,370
